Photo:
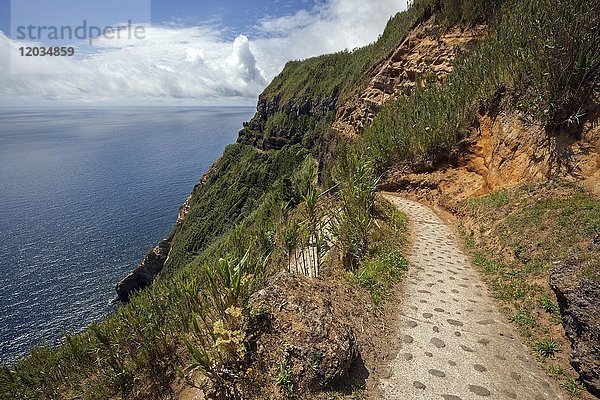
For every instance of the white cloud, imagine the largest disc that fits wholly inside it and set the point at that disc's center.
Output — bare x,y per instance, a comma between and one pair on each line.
334,26
191,64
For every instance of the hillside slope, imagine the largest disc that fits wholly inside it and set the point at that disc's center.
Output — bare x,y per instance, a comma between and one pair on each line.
457,99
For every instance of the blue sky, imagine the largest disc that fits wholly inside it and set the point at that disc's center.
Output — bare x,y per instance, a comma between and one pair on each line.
193,52
234,16
237,15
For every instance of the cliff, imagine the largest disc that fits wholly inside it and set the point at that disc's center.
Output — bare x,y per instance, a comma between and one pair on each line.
423,53
456,100
297,122
577,297
143,275
153,263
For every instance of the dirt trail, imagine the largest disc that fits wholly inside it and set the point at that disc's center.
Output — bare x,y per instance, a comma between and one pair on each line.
455,343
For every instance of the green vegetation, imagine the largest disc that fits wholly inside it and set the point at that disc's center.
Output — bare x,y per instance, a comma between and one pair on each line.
299,128
384,262
339,75
242,180
556,222
217,322
301,231
353,223
258,209
284,378
546,347
370,232
515,237
543,55
454,11
539,226
358,393
191,318
572,386
525,321
334,76
549,305
379,273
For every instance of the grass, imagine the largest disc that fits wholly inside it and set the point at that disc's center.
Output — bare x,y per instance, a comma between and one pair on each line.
506,280
353,222
524,320
358,393
380,272
370,232
546,347
555,371
284,379
186,319
544,53
385,262
319,83
541,54
337,76
496,200
514,237
572,386
549,305
242,180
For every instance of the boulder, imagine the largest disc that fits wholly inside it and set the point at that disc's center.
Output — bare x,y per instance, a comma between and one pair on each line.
295,321
578,298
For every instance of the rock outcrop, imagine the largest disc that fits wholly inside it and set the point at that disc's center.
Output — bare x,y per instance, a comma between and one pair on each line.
502,151
296,322
152,264
184,210
578,300
143,275
422,55
257,134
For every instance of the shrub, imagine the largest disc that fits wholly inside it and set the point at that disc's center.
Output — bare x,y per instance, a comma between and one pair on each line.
353,222
545,52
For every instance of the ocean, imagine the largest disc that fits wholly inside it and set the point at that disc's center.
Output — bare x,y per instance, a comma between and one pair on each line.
84,194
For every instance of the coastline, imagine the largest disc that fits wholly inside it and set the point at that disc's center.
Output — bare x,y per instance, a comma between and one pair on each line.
154,261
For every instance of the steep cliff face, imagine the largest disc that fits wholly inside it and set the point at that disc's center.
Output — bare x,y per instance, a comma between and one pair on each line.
277,124
153,263
424,54
143,275
301,116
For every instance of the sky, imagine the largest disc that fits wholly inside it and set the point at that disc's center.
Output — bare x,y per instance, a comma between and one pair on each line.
191,51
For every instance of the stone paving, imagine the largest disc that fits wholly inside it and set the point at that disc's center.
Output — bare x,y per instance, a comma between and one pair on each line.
455,343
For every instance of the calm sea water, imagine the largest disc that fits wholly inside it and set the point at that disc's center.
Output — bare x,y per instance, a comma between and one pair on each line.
84,193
